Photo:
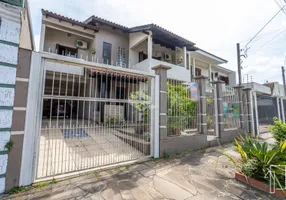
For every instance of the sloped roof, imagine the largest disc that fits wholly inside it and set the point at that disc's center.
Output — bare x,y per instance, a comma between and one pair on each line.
155,26
70,20
160,34
94,19
212,54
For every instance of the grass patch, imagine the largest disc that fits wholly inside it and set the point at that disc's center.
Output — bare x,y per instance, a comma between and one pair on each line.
96,174
44,184
166,154
18,189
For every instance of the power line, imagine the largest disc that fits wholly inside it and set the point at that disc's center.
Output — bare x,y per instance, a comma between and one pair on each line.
264,27
269,41
257,38
263,35
280,5
265,79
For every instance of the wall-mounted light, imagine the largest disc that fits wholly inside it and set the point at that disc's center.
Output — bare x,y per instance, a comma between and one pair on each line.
69,35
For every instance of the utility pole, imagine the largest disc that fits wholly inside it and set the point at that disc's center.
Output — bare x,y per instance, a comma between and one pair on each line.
238,63
283,77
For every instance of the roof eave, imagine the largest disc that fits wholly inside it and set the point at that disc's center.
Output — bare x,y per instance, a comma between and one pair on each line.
69,20
219,59
93,19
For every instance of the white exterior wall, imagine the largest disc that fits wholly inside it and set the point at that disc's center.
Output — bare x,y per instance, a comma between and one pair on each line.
136,38
278,90
134,53
116,38
25,37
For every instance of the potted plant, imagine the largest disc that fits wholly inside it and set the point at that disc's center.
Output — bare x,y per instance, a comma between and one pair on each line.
260,165
209,122
174,127
114,122
93,51
143,109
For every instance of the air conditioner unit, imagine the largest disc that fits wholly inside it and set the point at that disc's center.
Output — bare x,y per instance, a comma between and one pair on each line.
81,44
168,57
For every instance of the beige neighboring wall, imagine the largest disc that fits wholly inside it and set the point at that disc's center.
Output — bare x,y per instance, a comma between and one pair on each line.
26,42
116,38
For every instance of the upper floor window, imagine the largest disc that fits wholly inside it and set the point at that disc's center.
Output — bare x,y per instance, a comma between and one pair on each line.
106,53
224,79
198,72
66,51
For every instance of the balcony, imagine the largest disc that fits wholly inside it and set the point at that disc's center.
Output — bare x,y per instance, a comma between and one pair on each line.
176,72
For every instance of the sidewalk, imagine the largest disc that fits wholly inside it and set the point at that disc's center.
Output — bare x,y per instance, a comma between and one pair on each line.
191,176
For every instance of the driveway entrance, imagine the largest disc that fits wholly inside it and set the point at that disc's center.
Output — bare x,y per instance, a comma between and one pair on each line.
92,117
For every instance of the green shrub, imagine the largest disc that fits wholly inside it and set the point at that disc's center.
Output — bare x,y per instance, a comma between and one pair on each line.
257,158
114,121
278,130
166,154
249,168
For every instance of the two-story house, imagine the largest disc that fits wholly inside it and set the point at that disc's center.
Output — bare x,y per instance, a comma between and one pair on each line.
95,89
142,47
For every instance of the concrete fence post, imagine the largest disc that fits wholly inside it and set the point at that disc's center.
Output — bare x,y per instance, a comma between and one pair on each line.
282,110
220,121
238,90
256,121
202,105
278,108
248,109
161,70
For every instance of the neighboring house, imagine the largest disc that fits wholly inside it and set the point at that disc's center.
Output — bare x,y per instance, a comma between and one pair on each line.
140,48
274,89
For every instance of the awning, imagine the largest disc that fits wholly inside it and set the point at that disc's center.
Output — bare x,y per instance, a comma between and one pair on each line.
113,73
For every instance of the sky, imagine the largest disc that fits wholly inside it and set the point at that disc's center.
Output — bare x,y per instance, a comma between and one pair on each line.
215,26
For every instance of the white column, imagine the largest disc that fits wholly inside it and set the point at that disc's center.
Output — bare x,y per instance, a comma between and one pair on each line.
33,121
190,67
150,48
194,68
42,39
155,117
185,57
210,72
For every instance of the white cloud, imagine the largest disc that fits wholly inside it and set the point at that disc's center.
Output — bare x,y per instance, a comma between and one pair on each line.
215,26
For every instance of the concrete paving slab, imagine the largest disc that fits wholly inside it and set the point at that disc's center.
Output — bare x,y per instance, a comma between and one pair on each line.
191,176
